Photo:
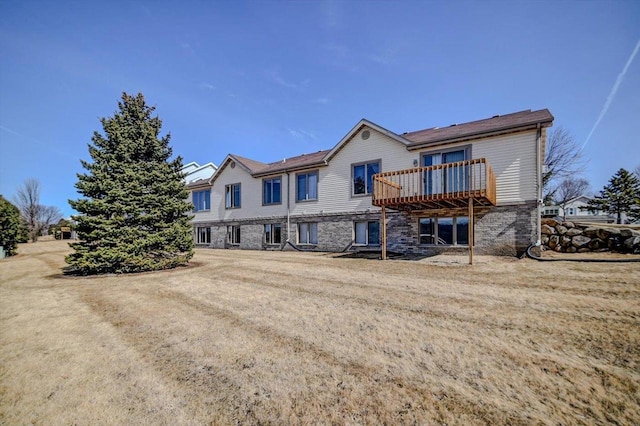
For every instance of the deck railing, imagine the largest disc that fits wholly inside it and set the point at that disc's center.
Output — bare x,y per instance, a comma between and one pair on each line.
446,184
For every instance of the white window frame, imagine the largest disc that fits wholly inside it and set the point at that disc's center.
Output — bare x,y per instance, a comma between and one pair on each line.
207,235
230,196
366,230
306,232
437,240
269,232
233,234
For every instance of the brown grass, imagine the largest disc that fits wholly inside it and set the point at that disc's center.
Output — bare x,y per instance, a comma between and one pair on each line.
269,337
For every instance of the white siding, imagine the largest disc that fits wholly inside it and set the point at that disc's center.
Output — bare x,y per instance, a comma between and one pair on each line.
513,159
250,197
334,181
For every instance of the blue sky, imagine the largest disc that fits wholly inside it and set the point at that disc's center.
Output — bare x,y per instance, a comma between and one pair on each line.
269,79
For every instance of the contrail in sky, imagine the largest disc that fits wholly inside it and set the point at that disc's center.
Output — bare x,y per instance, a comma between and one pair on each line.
614,90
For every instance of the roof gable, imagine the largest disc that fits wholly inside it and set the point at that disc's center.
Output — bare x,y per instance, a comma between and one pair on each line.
354,131
245,164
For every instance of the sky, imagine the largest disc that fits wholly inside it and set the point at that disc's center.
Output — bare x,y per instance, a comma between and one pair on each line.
274,79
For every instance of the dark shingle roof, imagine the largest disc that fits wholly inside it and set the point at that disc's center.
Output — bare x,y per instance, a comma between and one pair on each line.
198,183
301,161
491,125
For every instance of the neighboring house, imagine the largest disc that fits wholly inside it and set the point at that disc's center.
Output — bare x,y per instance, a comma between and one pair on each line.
193,171
423,182
576,211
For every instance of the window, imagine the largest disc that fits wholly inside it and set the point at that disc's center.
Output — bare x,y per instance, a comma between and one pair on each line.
307,186
232,196
367,233
233,234
427,231
201,200
444,230
203,235
451,179
271,191
363,177
307,233
272,233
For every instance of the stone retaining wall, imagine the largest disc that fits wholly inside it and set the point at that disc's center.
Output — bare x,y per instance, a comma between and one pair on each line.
569,237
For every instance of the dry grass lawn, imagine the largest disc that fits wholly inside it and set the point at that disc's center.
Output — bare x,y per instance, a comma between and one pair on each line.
278,338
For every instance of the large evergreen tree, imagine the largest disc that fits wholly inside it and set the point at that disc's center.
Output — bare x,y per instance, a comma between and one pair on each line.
133,214
620,195
9,226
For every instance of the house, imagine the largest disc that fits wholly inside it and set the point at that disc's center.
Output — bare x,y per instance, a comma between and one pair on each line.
576,211
193,171
418,192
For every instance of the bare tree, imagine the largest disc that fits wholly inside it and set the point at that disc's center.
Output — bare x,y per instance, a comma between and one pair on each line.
563,159
569,189
36,216
637,171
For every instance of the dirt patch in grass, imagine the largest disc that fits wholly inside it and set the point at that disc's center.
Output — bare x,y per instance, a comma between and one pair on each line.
270,337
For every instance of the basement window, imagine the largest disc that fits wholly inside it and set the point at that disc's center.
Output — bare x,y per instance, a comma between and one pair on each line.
444,230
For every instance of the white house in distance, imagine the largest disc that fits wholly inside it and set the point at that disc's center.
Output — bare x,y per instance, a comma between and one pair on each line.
193,171
576,211
431,186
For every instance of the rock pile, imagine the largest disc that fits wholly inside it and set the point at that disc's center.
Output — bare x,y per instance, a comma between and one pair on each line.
569,237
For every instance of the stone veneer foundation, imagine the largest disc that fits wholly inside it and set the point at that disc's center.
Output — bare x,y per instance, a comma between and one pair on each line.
504,230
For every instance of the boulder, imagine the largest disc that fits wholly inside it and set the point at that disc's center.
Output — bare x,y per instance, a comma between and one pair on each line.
544,239
630,243
561,229
569,225
584,250
550,222
580,241
553,241
613,232
626,232
596,244
602,233
571,249
565,241
573,232
558,248
590,232
548,230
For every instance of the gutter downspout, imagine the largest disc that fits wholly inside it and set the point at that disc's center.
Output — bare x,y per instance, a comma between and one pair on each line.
539,185
288,207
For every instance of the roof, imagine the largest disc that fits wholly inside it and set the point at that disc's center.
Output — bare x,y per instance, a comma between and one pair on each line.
479,128
294,163
412,140
198,183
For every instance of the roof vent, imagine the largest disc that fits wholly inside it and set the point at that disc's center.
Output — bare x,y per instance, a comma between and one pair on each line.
496,116
233,164
454,125
365,135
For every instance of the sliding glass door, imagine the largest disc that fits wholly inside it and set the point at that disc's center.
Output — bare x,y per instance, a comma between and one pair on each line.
445,180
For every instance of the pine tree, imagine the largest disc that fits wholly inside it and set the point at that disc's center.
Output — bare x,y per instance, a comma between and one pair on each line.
133,214
621,195
9,226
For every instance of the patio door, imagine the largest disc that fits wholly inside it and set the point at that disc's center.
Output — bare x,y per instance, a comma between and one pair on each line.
441,181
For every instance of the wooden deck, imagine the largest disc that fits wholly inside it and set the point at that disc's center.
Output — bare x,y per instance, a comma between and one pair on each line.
445,186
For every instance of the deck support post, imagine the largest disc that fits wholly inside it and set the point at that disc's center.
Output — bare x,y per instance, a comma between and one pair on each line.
384,234
470,231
